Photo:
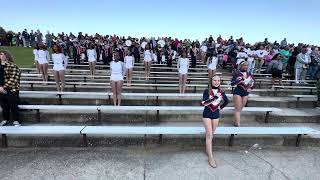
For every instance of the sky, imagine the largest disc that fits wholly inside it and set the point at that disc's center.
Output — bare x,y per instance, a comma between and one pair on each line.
297,20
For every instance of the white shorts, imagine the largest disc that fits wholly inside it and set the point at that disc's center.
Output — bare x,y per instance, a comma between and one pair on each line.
42,61
212,67
183,71
147,60
116,77
92,60
58,67
128,66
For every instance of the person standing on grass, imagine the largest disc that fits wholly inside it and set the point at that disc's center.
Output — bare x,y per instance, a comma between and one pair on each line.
183,66
9,89
276,68
39,36
43,60
60,63
214,100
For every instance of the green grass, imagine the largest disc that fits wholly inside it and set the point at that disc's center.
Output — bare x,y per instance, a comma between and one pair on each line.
22,56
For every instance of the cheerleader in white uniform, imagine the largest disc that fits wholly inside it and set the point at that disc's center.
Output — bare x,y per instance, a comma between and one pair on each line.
117,69
129,63
183,66
92,58
212,63
147,61
35,53
43,59
60,63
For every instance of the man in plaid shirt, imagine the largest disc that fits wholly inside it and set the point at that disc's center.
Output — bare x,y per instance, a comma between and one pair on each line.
9,89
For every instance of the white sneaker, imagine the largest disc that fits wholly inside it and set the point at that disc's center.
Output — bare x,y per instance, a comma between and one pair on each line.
16,123
3,123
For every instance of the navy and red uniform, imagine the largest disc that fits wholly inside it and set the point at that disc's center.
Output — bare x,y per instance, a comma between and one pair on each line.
244,82
214,101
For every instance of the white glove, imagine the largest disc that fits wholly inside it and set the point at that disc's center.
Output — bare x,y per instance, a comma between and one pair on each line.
247,81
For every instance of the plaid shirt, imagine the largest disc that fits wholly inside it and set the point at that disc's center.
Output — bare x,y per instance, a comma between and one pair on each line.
11,77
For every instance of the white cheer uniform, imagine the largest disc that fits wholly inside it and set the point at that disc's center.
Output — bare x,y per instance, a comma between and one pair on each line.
59,60
128,61
116,71
183,65
43,57
92,55
213,63
147,56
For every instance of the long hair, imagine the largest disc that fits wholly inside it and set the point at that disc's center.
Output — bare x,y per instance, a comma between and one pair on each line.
275,56
59,49
210,81
8,55
42,47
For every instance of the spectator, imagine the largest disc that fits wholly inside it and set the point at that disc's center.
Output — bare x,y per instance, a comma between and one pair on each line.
76,51
48,39
39,36
9,38
275,68
32,39
193,54
284,43
292,61
315,63
301,66
25,38
18,39
285,53
261,55
136,53
318,87
9,89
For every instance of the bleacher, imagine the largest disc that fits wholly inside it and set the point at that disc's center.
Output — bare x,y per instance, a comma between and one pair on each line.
84,113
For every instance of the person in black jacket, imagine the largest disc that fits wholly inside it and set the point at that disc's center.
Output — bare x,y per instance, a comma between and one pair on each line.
136,52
